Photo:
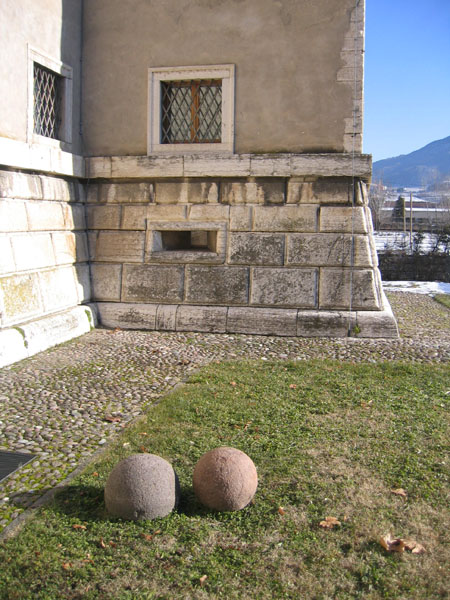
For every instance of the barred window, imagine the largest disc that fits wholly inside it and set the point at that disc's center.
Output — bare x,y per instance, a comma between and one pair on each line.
47,105
191,112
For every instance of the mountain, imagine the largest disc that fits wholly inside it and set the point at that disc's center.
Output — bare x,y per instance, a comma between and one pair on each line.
421,167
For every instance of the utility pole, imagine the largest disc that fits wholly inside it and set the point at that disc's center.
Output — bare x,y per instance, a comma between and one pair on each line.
410,222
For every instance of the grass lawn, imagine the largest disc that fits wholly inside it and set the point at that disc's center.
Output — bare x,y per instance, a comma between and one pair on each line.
443,299
328,439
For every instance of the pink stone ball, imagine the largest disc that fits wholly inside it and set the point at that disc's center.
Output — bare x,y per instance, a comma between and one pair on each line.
225,479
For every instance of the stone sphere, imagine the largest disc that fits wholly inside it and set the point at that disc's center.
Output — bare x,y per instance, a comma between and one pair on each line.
225,479
142,486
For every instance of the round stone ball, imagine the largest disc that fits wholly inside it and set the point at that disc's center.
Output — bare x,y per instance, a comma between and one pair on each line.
225,479
142,486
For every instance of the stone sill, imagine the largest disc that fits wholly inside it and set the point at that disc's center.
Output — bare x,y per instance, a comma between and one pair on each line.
236,165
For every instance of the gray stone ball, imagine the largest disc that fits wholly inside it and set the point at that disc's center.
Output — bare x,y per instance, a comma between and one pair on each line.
142,486
225,479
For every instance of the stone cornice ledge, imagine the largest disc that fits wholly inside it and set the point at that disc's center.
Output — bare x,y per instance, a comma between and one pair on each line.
235,165
40,157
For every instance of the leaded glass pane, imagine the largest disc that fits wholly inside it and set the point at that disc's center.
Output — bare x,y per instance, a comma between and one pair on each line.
191,112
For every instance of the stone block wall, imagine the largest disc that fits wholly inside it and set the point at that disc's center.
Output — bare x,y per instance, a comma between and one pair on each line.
280,255
44,268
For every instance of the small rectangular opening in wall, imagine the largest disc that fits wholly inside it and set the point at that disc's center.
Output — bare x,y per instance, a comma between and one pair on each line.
192,240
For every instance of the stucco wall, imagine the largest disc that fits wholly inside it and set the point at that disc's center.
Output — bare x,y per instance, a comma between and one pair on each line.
295,75
53,27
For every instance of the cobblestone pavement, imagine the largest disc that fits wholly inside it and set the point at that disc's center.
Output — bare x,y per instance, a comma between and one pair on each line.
61,404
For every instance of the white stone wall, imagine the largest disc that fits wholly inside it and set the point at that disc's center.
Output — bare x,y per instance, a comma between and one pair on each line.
44,268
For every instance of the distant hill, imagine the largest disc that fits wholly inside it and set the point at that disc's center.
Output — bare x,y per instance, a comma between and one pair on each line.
421,167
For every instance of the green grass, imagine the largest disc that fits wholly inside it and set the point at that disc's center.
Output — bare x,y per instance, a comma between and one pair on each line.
328,439
443,299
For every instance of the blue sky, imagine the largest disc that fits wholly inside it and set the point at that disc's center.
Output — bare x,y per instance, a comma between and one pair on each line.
407,75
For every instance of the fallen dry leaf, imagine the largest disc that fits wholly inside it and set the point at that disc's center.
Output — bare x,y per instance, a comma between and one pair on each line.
146,536
143,433
142,449
113,544
116,330
112,419
66,566
76,526
233,383
95,474
400,545
413,546
202,579
329,523
392,544
293,386
102,543
400,492
246,426
281,510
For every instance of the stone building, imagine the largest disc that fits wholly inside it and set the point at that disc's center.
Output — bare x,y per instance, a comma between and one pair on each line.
184,165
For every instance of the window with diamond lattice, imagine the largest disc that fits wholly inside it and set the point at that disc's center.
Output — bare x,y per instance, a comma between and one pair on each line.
47,88
191,112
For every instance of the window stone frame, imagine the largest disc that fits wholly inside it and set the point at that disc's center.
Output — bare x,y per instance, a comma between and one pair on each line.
157,75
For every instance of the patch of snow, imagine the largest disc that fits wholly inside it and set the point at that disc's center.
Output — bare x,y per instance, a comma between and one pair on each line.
417,287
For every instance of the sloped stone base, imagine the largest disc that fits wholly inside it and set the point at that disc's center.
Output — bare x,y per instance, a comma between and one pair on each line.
249,320
24,340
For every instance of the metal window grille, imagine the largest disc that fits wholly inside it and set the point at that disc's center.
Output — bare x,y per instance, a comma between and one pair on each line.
191,112
47,102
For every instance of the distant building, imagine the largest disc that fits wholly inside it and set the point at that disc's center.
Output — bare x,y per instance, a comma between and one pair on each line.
186,165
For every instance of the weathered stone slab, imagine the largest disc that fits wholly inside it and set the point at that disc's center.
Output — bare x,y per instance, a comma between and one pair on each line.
216,165
121,193
165,212
81,246
215,212
13,215
56,329
285,218
83,283
262,321
211,319
266,165
32,251
343,219
20,185
328,249
217,285
127,316
335,285
186,192
241,218
74,217
65,248
58,288
284,287
322,323
7,264
117,246
148,166
101,216
332,165
262,191
12,347
328,190
256,249
377,324
166,316
55,188
152,283
21,297
134,217
106,281
45,216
